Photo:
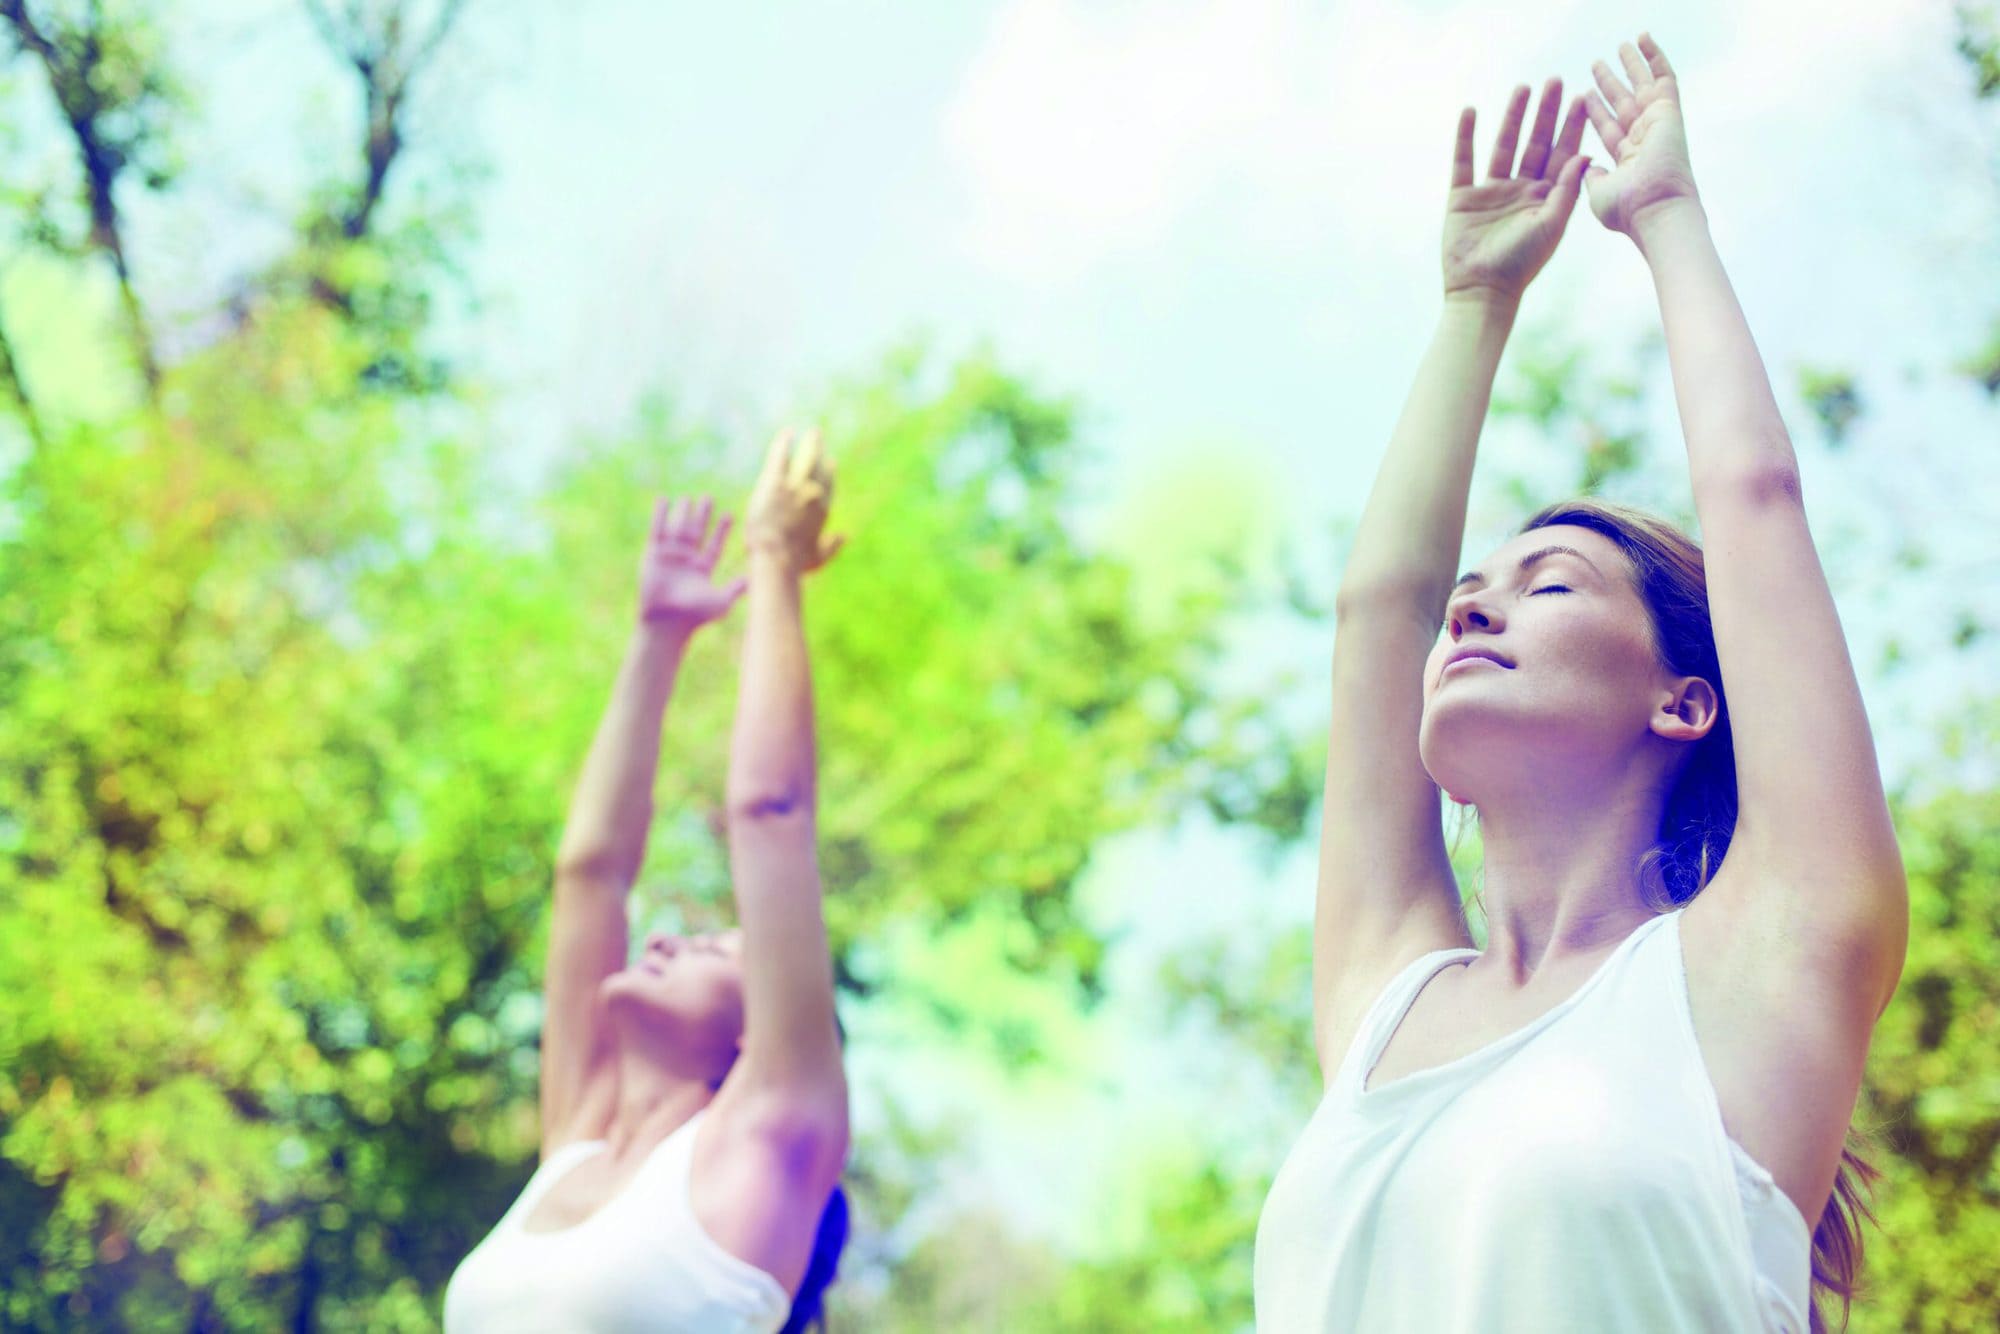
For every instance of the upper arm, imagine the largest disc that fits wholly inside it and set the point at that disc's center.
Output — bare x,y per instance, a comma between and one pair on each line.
1386,890
1814,854
588,938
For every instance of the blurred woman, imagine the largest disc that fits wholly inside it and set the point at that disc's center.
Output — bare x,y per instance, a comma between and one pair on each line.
1622,1112
693,1103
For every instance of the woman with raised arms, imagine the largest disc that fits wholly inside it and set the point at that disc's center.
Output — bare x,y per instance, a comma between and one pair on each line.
1629,1110
694,1107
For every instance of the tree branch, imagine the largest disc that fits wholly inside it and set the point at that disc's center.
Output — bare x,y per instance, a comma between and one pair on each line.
73,61
388,63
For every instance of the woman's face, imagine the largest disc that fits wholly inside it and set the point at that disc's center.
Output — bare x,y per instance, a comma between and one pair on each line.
690,984
1546,657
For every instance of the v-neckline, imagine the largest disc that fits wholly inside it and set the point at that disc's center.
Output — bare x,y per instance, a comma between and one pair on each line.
598,1147
1363,1093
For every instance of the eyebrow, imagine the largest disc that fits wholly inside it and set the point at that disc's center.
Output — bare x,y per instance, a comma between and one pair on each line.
1527,563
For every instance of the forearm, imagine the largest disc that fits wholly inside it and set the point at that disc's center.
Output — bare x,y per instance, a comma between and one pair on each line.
612,808
790,1039
1413,525
1728,413
771,747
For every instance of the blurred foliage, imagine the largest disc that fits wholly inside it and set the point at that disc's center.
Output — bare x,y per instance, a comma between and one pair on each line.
1979,43
1834,400
1933,1091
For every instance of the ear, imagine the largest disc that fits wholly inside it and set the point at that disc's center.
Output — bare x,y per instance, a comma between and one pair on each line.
1687,711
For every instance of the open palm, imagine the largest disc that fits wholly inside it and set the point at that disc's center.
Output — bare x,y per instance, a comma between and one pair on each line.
1499,232
677,573
1642,131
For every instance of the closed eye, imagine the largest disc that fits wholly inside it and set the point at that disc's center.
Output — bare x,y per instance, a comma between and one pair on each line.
1550,588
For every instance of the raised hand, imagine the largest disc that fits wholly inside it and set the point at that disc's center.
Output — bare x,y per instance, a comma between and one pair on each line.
1499,232
677,573
788,506
1642,131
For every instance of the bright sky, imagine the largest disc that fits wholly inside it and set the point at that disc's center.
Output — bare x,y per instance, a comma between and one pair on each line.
1213,223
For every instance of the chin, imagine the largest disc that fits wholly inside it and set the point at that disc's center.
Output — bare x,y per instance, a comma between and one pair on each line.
1465,742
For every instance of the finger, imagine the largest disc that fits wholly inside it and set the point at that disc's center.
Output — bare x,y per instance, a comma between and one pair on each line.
1609,131
677,518
712,552
1535,158
1635,67
831,547
806,457
1570,142
658,531
1656,59
775,456
1615,93
1569,184
1501,166
733,590
1461,153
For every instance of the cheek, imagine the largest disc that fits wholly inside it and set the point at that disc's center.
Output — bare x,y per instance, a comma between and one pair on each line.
1595,656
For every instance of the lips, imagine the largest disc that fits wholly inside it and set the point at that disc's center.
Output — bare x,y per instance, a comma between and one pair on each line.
1475,655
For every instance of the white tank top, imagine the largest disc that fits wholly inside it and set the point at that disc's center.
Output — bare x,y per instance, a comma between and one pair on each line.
641,1264
1574,1175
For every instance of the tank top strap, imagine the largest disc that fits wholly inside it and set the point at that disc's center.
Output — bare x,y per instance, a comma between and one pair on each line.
1386,1012
669,1169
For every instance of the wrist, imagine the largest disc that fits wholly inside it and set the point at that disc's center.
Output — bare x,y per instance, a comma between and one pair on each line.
663,634
771,556
1666,218
1486,305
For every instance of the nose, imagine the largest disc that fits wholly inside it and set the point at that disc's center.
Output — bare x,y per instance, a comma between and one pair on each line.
1470,612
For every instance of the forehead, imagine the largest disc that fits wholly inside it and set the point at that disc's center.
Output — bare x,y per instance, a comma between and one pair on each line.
1600,551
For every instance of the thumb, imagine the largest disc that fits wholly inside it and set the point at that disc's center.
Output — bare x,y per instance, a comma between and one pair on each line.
1602,198
831,548
733,591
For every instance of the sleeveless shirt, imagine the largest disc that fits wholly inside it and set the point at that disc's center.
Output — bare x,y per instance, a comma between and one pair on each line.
641,1264
1572,1175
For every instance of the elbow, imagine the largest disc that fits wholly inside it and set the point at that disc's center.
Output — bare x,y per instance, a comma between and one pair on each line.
769,802
595,867
1869,935
1755,485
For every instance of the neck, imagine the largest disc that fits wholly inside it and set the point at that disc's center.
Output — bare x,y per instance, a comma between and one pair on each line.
1561,866
654,1098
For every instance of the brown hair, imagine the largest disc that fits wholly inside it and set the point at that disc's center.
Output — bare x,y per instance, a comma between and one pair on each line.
1700,815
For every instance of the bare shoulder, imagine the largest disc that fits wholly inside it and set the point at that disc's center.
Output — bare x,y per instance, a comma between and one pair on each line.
1351,982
